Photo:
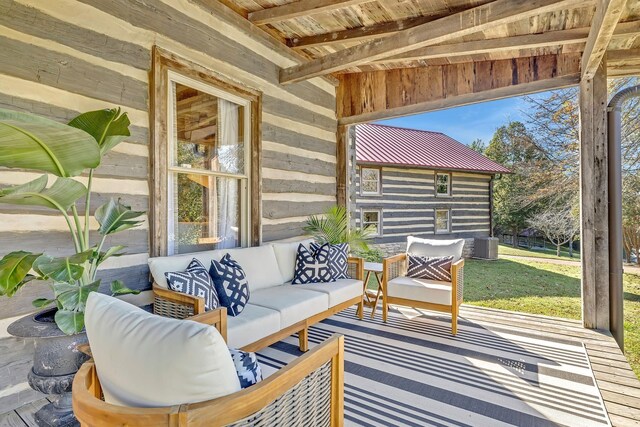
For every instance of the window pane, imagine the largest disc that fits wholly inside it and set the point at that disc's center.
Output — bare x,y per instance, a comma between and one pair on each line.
371,221
209,131
205,213
370,180
370,186
442,220
442,182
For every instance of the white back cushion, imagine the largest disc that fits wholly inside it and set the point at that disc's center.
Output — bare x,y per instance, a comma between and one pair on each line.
435,248
144,360
259,264
286,255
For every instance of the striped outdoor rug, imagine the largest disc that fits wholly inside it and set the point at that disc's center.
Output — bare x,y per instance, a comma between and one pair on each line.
412,372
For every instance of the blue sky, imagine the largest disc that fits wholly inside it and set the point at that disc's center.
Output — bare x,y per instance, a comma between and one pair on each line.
468,122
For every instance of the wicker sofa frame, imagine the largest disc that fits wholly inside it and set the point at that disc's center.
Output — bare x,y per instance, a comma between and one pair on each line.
396,266
308,391
177,305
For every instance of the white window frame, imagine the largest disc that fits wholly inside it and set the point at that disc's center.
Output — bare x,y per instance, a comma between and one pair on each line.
378,182
435,221
362,223
448,193
172,170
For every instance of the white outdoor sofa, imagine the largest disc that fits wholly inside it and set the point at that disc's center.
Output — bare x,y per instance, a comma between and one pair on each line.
276,308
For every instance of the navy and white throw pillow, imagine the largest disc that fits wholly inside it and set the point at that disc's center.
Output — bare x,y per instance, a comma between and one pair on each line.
230,283
312,267
338,255
247,367
194,281
436,268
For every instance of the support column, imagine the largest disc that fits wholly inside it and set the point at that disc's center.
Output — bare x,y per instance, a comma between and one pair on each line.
594,215
341,165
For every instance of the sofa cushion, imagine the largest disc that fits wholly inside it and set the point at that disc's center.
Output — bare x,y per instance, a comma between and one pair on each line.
438,268
247,367
286,256
144,360
312,266
255,323
231,284
424,290
293,304
194,281
435,248
339,291
160,265
338,256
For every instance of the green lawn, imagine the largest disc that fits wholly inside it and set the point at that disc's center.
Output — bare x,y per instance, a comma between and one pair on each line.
548,289
537,253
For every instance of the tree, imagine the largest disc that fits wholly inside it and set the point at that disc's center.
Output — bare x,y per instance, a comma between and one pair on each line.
478,145
631,216
559,226
513,146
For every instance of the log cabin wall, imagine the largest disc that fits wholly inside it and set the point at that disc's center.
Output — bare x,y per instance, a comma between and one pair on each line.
64,57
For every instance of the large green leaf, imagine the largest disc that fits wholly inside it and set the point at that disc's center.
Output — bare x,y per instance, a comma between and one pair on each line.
112,251
118,288
74,296
70,322
14,271
108,127
114,216
28,141
61,195
63,269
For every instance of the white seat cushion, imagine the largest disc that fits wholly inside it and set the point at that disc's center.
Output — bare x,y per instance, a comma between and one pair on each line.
255,323
144,360
293,304
286,255
435,248
163,264
423,290
339,291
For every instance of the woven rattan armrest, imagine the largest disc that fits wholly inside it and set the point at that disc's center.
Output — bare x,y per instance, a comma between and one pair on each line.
394,266
356,268
457,280
177,305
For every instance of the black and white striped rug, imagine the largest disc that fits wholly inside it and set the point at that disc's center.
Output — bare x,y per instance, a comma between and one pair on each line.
412,372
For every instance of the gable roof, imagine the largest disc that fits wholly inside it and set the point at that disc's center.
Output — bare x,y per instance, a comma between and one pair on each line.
389,145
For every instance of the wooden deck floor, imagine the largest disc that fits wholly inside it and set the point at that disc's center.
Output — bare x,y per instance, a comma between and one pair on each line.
619,386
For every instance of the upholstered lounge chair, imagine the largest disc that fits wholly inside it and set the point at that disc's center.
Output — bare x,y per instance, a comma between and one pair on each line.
434,295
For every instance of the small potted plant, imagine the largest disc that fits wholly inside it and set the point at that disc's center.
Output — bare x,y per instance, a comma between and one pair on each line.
65,151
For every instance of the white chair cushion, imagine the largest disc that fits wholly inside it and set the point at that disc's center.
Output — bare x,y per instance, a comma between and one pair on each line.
286,256
423,290
293,304
144,360
259,264
339,291
435,248
255,323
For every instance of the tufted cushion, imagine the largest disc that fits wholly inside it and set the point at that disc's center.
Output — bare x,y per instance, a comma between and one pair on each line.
435,248
144,360
194,281
230,283
247,367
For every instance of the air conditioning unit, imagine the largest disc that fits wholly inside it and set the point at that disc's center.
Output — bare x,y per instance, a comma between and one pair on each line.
485,247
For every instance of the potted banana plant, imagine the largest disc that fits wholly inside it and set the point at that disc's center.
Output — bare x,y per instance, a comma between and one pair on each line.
71,153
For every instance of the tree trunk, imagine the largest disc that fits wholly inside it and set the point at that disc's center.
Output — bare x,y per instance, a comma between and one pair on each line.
571,249
558,251
514,241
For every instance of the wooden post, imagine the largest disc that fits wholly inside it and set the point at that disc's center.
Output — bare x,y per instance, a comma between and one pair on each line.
342,166
594,215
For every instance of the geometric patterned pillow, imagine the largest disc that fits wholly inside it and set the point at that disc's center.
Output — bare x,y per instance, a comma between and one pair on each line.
230,283
430,268
312,267
194,281
247,367
338,255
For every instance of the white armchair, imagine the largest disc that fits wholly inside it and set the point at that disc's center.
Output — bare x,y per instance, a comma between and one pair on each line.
428,294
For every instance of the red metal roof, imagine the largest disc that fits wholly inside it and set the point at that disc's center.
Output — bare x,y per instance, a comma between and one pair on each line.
379,144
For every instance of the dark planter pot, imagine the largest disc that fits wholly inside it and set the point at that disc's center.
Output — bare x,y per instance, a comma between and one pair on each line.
55,362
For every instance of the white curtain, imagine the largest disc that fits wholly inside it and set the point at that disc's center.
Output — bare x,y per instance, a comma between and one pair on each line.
227,197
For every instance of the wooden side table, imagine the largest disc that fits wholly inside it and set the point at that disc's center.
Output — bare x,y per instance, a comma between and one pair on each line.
370,297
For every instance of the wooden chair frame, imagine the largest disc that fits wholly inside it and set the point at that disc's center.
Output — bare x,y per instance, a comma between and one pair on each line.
396,266
91,410
179,305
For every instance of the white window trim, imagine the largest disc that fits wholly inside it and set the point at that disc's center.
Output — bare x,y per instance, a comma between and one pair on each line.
172,171
379,182
362,223
448,193
435,221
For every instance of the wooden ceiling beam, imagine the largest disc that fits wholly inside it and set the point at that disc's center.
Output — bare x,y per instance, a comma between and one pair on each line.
297,9
623,63
603,25
450,27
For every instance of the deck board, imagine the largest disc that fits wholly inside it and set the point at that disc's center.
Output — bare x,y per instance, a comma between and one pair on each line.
619,386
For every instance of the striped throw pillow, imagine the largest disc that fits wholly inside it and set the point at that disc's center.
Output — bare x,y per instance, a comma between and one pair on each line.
430,268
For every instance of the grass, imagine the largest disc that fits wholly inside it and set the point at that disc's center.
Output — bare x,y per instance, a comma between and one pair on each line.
547,289
538,253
